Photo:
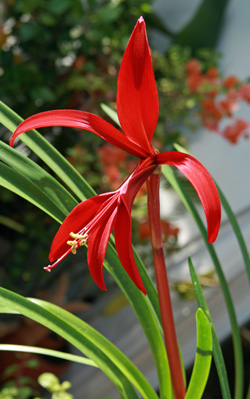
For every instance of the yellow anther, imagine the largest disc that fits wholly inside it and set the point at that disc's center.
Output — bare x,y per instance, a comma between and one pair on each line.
79,241
73,245
79,236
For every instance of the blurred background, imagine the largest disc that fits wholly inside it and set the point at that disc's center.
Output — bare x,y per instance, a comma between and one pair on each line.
66,54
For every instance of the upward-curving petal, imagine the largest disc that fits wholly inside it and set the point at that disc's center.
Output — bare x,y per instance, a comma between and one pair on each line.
81,120
137,98
77,219
203,183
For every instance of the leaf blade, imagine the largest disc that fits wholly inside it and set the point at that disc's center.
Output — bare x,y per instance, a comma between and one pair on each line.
25,188
91,343
47,352
50,186
203,357
217,352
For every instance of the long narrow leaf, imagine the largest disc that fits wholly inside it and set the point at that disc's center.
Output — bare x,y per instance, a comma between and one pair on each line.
19,184
47,352
217,353
238,355
237,231
50,186
114,354
91,343
203,357
248,393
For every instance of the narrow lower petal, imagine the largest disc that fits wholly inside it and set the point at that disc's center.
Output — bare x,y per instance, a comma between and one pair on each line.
203,183
123,243
97,246
77,219
81,120
137,98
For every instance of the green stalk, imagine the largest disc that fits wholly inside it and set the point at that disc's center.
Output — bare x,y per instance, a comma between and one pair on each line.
166,311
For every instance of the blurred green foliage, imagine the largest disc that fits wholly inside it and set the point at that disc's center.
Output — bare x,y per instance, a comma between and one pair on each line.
64,53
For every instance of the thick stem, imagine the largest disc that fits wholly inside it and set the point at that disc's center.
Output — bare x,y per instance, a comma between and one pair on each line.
153,185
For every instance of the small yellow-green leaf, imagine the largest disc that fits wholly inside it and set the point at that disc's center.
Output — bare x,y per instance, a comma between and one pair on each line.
203,357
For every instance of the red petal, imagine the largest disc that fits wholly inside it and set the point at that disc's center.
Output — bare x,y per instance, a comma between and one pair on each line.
78,218
203,183
97,246
132,185
82,120
137,98
123,243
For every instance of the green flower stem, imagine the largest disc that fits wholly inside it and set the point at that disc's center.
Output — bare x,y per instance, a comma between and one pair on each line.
153,185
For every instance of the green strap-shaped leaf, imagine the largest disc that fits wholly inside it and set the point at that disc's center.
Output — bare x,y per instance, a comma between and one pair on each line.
50,186
237,231
19,184
118,368
238,355
47,352
111,113
217,353
248,392
203,357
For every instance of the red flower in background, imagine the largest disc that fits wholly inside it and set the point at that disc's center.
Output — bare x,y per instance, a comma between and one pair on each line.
245,92
137,109
235,131
218,98
230,82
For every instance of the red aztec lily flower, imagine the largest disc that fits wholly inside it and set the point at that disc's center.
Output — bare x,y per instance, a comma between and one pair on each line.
95,218
137,107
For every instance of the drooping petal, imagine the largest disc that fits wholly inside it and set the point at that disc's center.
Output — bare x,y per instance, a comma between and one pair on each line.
97,246
123,243
137,98
77,219
81,120
203,183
